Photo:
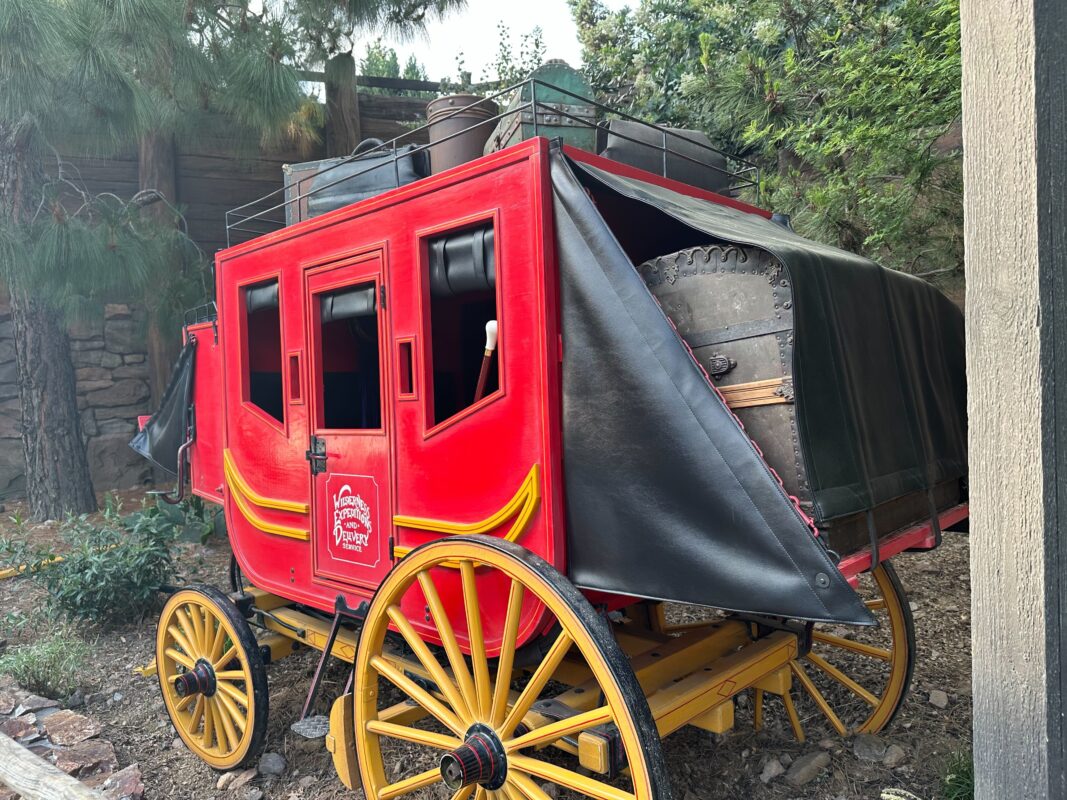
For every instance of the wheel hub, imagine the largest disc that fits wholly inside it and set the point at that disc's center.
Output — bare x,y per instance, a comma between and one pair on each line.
480,759
199,680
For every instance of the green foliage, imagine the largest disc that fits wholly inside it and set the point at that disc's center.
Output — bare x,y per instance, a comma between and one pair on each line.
52,666
510,67
381,61
850,108
110,572
958,780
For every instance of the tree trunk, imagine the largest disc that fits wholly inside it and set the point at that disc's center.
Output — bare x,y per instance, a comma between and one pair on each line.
342,106
157,171
57,469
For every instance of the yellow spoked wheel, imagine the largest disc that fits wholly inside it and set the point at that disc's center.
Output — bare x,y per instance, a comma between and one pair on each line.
857,678
212,677
471,727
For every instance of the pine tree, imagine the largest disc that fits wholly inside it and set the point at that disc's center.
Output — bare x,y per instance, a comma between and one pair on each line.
98,76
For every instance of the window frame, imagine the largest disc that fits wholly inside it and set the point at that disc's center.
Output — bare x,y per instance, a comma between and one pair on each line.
431,427
281,425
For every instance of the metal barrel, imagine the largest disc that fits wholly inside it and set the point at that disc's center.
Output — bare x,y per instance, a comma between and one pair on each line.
466,115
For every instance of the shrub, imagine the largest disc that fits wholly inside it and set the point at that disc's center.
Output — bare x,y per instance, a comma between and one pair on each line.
110,572
50,667
958,781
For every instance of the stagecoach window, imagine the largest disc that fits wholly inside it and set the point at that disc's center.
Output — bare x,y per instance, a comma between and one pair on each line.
349,361
263,357
462,281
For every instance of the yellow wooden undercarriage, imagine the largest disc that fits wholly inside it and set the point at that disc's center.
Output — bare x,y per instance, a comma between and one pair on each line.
567,697
690,673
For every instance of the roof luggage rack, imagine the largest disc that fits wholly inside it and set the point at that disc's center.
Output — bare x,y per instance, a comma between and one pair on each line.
267,213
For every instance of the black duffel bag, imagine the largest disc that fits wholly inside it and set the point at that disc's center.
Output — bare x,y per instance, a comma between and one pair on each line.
364,176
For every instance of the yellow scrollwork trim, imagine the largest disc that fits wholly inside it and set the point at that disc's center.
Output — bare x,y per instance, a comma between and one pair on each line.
520,507
236,480
261,524
242,493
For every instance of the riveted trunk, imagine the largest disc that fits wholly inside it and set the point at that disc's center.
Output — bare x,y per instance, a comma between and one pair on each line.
57,469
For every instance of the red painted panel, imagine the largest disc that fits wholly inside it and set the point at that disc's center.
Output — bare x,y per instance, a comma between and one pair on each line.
461,470
205,454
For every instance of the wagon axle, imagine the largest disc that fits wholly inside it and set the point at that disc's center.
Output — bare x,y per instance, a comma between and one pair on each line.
480,759
199,680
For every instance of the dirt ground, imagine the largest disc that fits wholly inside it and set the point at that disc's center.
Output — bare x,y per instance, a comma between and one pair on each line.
703,766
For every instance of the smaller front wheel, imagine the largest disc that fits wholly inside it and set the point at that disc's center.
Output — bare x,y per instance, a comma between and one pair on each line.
212,677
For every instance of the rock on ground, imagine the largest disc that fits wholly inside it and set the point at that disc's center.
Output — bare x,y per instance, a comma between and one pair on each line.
938,699
868,747
272,764
895,755
807,768
771,770
126,784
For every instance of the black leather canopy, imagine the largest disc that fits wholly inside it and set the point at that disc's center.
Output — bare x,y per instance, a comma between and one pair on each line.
879,366
165,432
666,496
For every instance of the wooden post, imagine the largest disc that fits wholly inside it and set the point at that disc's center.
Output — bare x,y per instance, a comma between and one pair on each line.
36,779
1015,169
342,106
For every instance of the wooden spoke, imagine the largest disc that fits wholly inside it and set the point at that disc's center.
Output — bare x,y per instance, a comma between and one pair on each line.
480,794
511,792
546,734
230,675
192,637
419,695
476,638
843,679
757,713
196,614
185,702
448,640
229,689
875,605
230,710
856,647
181,640
416,735
817,696
590,787
224,659
794,718
181,658
506,662
427,659
529,788
463,793
223,716
212,728
196,714
412,784
218,643
537,682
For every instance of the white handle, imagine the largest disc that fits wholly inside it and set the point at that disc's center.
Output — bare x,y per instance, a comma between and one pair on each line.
490,336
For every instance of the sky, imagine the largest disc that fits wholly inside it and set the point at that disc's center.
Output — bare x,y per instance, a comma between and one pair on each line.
473,32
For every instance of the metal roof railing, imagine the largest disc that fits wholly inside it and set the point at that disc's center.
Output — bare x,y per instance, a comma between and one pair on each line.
267,213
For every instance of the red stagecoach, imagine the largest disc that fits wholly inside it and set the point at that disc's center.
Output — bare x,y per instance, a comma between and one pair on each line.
473,434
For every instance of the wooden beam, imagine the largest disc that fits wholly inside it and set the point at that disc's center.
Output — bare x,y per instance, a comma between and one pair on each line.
1015,203
35,779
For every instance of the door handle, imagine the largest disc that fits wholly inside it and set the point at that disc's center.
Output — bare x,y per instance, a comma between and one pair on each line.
316,455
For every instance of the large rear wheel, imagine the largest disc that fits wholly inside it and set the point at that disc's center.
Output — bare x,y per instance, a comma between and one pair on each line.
470,726
857,678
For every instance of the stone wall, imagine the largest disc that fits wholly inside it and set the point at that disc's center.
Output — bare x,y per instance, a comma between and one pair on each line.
110,364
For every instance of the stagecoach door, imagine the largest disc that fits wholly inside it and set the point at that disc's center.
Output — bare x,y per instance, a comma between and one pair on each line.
348,452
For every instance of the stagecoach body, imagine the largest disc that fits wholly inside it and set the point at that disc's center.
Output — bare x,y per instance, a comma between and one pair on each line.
679,406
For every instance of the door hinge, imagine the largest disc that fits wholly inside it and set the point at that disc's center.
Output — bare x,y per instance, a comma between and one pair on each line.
316,455
381,293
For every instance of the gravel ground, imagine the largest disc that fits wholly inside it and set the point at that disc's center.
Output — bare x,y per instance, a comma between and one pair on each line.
702,765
